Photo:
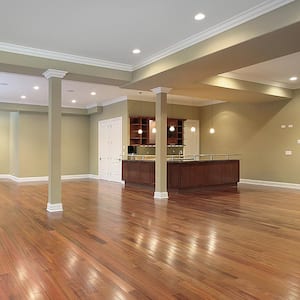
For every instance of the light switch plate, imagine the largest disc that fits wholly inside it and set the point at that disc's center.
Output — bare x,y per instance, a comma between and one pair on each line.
288,152
283,126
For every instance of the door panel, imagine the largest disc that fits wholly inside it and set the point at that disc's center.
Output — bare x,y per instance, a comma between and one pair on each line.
110,149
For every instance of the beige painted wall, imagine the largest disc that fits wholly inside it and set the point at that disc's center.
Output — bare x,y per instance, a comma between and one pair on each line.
254,131
147,109
4,142
75,144
110,111
27,146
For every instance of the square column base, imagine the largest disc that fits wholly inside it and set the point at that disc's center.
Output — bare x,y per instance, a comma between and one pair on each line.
161,195
54,207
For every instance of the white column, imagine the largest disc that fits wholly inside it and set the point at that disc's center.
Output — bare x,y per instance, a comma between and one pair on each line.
161,191
54,139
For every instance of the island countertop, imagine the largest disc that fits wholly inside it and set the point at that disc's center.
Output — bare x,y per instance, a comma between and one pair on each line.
183,174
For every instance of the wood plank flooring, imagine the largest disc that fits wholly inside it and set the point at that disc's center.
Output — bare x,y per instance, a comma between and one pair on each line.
115,242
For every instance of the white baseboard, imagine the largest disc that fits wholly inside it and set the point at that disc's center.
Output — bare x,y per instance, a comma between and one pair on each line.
72,177
57,207
44,178
161,195
93,176
286,185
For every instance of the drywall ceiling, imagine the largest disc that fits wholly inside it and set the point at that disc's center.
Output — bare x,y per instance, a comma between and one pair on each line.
103,34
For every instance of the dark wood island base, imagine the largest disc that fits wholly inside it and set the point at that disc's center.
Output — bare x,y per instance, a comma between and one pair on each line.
183,175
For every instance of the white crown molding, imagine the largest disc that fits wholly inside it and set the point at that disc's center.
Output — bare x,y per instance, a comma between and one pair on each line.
57,207
286,185
18,49
161,195
159,90
54,73
239,19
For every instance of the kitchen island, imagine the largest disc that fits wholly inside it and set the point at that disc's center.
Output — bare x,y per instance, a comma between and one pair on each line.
183,174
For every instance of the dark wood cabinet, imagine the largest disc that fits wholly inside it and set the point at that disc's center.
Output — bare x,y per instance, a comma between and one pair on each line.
184,175
175,132
140,131
139,127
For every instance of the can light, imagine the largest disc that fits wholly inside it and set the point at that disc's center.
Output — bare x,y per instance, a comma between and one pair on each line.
293,78
136,51
200,16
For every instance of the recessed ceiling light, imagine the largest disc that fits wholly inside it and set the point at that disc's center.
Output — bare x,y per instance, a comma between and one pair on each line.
199,16
93,93
36,87
74,101
136,51
23,97
293,78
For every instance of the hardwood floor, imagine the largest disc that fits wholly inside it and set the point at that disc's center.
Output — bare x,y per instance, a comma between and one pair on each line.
113,242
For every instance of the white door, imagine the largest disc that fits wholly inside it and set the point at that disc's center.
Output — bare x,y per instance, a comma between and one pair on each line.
191,137
110,149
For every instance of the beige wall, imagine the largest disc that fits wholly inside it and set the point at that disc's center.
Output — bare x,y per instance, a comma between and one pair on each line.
147,109
254,131
4,142
75,144
26,149
110,111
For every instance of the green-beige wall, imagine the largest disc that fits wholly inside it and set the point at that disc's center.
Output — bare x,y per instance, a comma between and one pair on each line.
4,142
24,151
254,131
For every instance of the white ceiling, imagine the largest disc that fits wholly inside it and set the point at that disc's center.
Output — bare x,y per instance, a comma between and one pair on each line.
273,72
13,86
105,32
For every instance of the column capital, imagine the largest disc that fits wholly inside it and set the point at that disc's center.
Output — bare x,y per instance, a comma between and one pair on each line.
54,73
159,90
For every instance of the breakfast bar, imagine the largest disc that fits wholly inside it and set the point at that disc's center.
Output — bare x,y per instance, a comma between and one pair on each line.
183,174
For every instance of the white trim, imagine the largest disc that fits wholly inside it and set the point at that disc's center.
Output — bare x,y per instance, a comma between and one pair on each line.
161,195
29,179
72,177
239,19
57,207
45,178
286,185
159,90
54,73
93,176
18,49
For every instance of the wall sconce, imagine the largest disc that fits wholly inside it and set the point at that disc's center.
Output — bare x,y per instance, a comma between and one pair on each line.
172,128
153,130
140,131
212,130
193,129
